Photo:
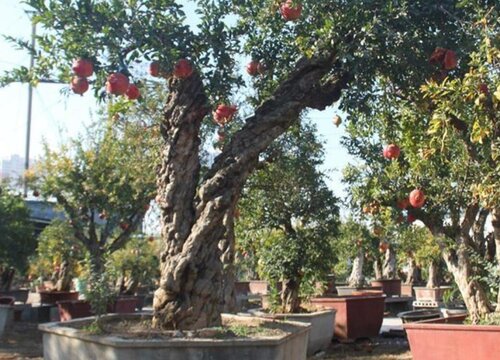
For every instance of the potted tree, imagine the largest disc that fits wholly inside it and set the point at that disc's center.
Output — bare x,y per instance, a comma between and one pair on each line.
294,249
196,205
17,239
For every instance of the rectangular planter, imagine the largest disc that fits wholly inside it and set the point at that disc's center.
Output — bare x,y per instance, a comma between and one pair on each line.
390,287
73,309
21,295
448,339
52,297
322,326
430,294
407,290
348,290
357,316
62,342
258,287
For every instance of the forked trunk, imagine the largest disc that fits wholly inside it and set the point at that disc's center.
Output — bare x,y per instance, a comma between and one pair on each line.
389,267
357,279
377,269
290,299
476,301
432,279
192,214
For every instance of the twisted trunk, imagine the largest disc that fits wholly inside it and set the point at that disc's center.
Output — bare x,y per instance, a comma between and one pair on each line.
432,279
192,218
389,267
377,269
356,279
227,247
413,272
290,298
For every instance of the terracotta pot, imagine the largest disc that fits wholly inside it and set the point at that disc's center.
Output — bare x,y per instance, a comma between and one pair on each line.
448,338
258,287
348,290
407,290
430,294
73,309
390,287
357,316
123,305
7,300
52,297
367,293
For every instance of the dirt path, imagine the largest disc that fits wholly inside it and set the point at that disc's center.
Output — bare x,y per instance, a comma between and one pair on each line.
23,341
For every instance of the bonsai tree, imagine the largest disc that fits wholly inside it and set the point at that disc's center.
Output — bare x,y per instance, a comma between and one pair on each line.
290,199
59,255
447,134
104,182
16,236
354,243
307,62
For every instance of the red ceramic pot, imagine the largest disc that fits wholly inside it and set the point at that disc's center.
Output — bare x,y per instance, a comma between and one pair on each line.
390,287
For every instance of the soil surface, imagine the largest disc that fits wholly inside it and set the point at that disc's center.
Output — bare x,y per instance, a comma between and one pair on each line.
24,341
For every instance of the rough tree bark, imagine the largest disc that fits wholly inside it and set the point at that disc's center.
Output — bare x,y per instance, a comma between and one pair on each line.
290,299
495,222
227,247
356,279
413,275
193,217
63,277
377,269
432,276
389,268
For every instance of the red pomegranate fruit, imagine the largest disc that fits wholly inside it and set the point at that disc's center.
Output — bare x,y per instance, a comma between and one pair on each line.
337,120
133,92
83,67
291,11
183,69
79,85
117,84
450,60
403,203
411,218
253,68
124,225
154,69
417,198
391,151
224,113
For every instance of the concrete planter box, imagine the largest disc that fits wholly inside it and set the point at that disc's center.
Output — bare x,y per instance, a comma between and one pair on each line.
322,326
6,317
447,338
258,287
357,316
430,294
407,290
390,287
62,342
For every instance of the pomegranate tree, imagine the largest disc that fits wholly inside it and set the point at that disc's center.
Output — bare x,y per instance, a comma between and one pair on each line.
391,151
224,113
291,10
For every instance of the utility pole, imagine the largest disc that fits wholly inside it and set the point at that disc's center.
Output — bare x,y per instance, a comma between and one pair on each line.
30,105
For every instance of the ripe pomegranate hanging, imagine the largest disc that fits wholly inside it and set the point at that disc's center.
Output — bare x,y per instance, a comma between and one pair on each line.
133,92
224,113
124,225
417,198
411,218
483,89
291,11
253,68
117,84
183,69
391,151
337,120
79,85
450,60
83,67
154,69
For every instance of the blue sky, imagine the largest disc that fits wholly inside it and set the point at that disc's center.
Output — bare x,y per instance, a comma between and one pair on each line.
57,117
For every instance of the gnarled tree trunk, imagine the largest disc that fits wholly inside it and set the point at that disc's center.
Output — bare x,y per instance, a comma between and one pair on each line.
356,279
413,274
389,267
377,269
227,247
432,275
192,217
290,299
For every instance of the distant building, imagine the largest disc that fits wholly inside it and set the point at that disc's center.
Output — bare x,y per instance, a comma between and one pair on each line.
13,168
